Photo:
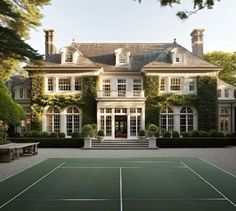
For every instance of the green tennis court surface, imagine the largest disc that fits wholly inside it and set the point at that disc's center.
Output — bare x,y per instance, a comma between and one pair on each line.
147,184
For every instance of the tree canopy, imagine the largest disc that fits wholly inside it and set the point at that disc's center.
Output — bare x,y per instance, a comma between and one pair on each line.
10,112
227,61
197,5
17,17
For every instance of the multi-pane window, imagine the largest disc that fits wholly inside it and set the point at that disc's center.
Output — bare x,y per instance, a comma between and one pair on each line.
191,85
69,57
50,84
186,119
175,84
77,84
122,58
106,87
226,93
219,92
108,126
21,93
121,88
137,86
167,119
135,125
224,120
64,84
72,120
163,84
53,120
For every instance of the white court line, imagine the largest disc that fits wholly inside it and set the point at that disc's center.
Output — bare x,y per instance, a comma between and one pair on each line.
31,185
218,168
98,167
121,191
148,161
127,199
231,202
22,170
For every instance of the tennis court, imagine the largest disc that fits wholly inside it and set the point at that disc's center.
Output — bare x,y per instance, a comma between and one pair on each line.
140,184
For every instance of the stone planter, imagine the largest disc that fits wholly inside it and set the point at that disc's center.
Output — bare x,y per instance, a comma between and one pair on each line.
100,139
153,142
87,142
142,138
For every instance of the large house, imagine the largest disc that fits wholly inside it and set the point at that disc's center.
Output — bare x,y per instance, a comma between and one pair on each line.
122,87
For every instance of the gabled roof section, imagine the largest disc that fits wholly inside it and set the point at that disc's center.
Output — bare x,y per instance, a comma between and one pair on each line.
188,60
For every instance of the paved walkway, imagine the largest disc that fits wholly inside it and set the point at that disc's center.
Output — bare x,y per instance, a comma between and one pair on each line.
224,158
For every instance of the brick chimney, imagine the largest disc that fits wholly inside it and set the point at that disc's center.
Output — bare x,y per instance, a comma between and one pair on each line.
50,48
197,42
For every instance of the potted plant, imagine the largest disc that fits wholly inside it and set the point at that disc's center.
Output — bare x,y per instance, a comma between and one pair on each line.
152,130
141,136
100,135
87,132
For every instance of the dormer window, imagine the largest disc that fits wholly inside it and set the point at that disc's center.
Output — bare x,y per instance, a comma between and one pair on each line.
177,60
69,57
69,54
122,58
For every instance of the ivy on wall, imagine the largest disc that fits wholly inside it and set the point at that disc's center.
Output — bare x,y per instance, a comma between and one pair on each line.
39,100
207,102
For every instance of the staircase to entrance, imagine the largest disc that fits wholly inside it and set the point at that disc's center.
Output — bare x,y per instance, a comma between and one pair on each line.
119,144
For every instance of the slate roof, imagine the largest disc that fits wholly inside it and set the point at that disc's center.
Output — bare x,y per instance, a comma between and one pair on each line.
142,55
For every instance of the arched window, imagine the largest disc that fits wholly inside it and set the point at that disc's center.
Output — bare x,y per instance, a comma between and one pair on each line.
72,120
167,119
53,120
69,56
186,119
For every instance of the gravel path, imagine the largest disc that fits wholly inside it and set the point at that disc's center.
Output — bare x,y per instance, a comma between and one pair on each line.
224,158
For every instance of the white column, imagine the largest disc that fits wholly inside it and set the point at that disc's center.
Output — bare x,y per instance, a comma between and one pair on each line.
55,84
63,123
113,123
72,84
143,118
128,122
44,122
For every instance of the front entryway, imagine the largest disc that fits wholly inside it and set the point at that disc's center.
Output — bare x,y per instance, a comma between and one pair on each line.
121,126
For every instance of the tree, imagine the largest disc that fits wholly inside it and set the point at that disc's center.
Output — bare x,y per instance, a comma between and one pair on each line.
197,5
17,17
10,112
227,61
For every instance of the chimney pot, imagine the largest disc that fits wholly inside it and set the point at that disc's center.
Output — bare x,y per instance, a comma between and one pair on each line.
197,42
50,48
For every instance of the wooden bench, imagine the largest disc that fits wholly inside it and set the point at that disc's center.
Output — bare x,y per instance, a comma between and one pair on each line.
13,151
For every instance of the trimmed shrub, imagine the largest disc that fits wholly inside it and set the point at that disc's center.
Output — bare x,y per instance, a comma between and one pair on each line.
166,134
220,134
233,134
76,135
203,133
53,135
87,130
15,135
186,134
61,135
213,133
228,135
45,135
141,133
152,130
100,133
195,133
175,134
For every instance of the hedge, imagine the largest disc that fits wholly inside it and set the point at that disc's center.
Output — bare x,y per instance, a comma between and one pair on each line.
52,142
196,142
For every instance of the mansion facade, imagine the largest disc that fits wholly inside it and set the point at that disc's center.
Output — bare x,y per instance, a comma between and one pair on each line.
122,87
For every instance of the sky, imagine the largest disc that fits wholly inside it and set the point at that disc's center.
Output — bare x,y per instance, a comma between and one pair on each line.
129,21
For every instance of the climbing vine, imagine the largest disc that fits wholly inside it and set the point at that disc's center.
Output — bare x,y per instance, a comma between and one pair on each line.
85,102
207,102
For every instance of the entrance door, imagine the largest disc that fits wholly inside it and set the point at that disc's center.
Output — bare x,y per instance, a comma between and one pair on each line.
121,126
